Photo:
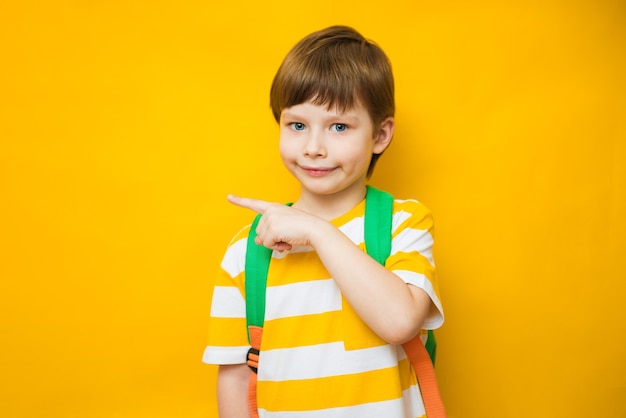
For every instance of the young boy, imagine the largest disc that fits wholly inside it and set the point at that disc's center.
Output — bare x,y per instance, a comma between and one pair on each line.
334,318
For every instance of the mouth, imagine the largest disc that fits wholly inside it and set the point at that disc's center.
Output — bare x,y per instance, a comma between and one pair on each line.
317,171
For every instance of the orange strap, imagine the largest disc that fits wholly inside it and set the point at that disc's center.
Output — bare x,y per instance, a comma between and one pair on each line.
425,372
256,334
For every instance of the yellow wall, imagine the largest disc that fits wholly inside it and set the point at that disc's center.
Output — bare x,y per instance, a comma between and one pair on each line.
124,124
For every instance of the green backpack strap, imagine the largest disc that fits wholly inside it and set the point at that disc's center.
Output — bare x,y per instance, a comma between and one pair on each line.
257,265
377,234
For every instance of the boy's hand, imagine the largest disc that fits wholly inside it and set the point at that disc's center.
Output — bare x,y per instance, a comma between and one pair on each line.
281,227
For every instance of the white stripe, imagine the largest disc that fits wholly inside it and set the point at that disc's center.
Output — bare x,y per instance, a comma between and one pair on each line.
417,240
234,259
407,200
413,404
323,360
399,217
354,230
421,281
401,353
227,303
295,299
225,355
392,408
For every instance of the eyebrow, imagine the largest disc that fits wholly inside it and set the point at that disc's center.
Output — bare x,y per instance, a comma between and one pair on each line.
286,114
339,116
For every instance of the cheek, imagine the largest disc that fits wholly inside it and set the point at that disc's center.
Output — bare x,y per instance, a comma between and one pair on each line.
357,150
286,148
364,157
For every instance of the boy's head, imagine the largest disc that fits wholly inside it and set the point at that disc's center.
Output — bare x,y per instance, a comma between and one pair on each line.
336,67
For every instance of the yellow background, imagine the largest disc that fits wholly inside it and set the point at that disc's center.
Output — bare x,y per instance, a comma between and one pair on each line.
124,124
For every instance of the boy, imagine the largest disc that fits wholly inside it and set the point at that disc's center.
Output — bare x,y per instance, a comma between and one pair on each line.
335,318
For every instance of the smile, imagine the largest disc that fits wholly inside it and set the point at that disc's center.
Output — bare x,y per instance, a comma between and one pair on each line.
316,171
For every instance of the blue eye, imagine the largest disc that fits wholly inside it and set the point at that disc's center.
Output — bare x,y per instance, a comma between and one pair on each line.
339,127
298,126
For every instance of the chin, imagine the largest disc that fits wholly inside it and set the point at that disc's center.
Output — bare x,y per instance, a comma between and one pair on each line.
319,189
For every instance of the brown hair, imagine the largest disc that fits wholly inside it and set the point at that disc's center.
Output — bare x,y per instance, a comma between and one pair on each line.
336,66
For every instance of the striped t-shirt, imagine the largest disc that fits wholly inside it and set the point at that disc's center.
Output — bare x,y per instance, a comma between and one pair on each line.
318,358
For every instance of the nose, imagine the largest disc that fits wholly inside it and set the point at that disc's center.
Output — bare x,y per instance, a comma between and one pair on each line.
315,145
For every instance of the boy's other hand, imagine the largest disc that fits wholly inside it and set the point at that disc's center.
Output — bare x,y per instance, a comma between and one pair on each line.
281,227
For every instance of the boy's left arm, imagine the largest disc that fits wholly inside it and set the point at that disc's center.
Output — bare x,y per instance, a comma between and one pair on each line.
394,310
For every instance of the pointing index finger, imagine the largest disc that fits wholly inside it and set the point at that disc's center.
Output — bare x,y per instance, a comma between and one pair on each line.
259,206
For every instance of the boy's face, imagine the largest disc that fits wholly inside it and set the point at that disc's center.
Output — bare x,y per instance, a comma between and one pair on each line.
328,151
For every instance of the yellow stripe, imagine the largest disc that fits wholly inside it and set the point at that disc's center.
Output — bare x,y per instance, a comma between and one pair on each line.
356,334
355,212
307,267
330,392
416,263
302,331
421,217
407,375
227,332
223,279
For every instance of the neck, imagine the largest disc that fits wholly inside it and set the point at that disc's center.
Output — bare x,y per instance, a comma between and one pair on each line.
330,206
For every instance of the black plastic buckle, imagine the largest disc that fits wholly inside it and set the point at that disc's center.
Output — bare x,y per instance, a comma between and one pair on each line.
253,363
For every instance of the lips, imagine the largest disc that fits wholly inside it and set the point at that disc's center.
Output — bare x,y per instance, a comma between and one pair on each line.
317,171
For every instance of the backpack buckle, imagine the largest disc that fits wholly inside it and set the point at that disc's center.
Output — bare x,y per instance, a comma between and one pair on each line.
252,359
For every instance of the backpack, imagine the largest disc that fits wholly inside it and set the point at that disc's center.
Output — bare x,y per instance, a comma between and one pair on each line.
377,234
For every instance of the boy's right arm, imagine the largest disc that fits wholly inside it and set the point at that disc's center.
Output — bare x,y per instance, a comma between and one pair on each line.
232,391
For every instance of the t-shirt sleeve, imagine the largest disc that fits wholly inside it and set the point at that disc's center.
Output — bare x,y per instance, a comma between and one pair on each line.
227,341
412,253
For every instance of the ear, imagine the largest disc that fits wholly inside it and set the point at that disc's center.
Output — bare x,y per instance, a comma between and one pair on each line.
384,135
